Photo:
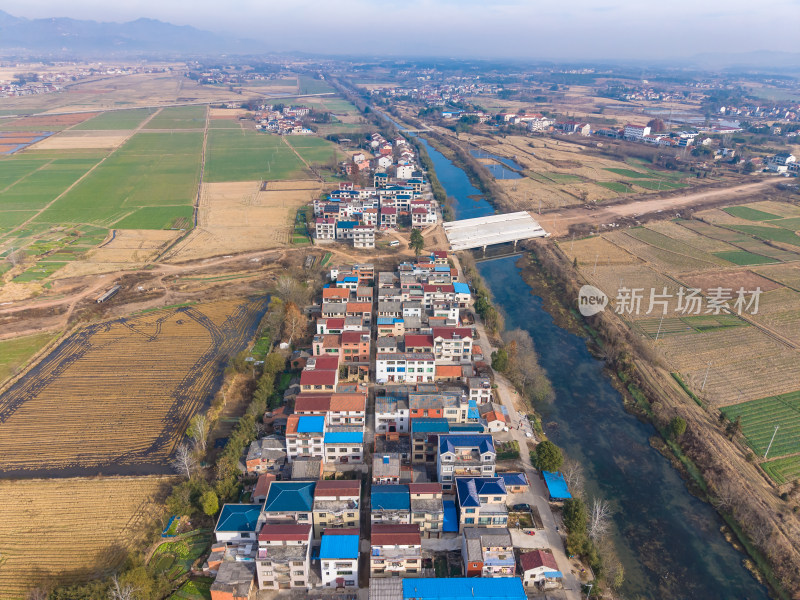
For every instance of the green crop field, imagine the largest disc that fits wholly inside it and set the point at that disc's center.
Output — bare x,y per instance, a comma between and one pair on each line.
248,155
783,469
629,173
117,119
759,418
740,257
751,214
659,185
43,183
689,324
337,105
224,124
773,234
615,186
179,117
792,223
151,169
308,85
15,353
314,150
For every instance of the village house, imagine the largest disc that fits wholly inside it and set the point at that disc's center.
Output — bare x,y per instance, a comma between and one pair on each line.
237,523
289,502
390,504
427,510
305,436
306,468
396,551
452,344
539,570
338,556
386,468
344,444
347,408
284,556
391,414
487,552
336,505
465,456
315,380
481,502
494,416
267,455
235,581
408,367
516,482
355,346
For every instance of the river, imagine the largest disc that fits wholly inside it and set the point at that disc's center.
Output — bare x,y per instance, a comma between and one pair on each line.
669,541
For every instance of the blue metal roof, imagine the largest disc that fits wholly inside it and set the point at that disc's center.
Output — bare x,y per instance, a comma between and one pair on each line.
442,269
310,424
430,425
290,496
466,428
469,489
483,442
351,279
337,547
514,478
450,516
344,437
346,224
472,412
459,588
460,288
554,574
556,486
238,517
390,497
389,320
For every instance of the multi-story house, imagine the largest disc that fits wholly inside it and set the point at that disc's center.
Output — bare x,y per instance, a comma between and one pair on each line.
425,439
237,523
327,345
344,444
338,554
283,560
427,510
336,505
432,293
289,502
305,436
418,343
481,502
487,552
319,381
408,367
396,551
325,228
386,468
635,132
364,236
465,456
355,346
391,414
480,389
347,409
452,344
390,504
267,455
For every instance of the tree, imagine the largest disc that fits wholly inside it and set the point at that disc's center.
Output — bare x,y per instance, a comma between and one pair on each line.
289,290
572,471
274,363
656,125
119,591
677,427
500,360
599,519
547,457
184,462
209,503
575,516
294,323
198,431
417,241
16,257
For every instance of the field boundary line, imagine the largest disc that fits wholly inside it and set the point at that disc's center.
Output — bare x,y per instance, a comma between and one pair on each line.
24,177
308,166
89,172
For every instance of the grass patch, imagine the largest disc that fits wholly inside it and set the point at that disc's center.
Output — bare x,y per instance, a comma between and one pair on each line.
759,418
194,589
686,389
16,352
314,150
629,173
507,450
659,185
43,183
157,217
740,257
615,186
38,272
751,214
309,85
792,223
117,119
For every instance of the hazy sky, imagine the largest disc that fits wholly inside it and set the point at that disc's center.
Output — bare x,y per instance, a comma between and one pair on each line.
529,29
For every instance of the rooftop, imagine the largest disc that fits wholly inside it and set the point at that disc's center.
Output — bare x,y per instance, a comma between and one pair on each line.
335,547
238,517
395,535
290,496
390,497
451,443
289,532
536,559
474,588
315,424
344,437
469,489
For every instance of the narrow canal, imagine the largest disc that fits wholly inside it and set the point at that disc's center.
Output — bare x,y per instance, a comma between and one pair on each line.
669,541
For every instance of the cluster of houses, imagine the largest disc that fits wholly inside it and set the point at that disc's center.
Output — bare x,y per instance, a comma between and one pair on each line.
433,471
439,94
353,213
287,121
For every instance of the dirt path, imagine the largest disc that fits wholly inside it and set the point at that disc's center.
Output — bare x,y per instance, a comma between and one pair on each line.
558,222
85,175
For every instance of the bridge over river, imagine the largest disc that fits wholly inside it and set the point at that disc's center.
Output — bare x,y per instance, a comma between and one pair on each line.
494,229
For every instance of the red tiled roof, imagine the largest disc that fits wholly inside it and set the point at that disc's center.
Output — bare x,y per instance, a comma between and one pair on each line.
337,488
438,288
417,341
346,531
312,404
448,333
360,307
395,534
334,323
425,488
351,337
448,370
331,340
335,292
316,377
325,363
262,485
290,532
537,558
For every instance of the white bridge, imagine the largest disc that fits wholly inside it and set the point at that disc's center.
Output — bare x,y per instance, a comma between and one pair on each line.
495,229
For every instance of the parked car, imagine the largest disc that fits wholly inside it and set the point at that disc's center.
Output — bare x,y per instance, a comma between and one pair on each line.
521,507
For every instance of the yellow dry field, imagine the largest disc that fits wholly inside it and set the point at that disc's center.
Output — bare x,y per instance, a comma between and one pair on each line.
612,278
130,248
232,113
77,140
71,529
746,363
117,396
781,209
675,259
597,247
238,217
787,274
717,216
687,236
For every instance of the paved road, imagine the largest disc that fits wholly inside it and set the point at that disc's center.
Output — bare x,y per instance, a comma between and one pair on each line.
537,494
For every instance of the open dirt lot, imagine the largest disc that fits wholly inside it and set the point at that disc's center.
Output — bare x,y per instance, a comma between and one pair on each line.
97,520
238,217
78,140
52,121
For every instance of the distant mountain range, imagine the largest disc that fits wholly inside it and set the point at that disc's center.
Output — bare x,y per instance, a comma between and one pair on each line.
73,37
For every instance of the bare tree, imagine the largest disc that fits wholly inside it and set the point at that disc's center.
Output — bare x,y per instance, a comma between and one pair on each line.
288,289
573,475
16,257
120,592
295,323
599,519
185,461
38,594
198,431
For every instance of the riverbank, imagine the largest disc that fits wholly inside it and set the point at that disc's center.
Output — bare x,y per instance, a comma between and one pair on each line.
711,465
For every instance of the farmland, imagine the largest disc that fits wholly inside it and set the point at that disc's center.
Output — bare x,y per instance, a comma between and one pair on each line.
14,353
116,120
179,117
760,417
115,420
247,155
109,513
